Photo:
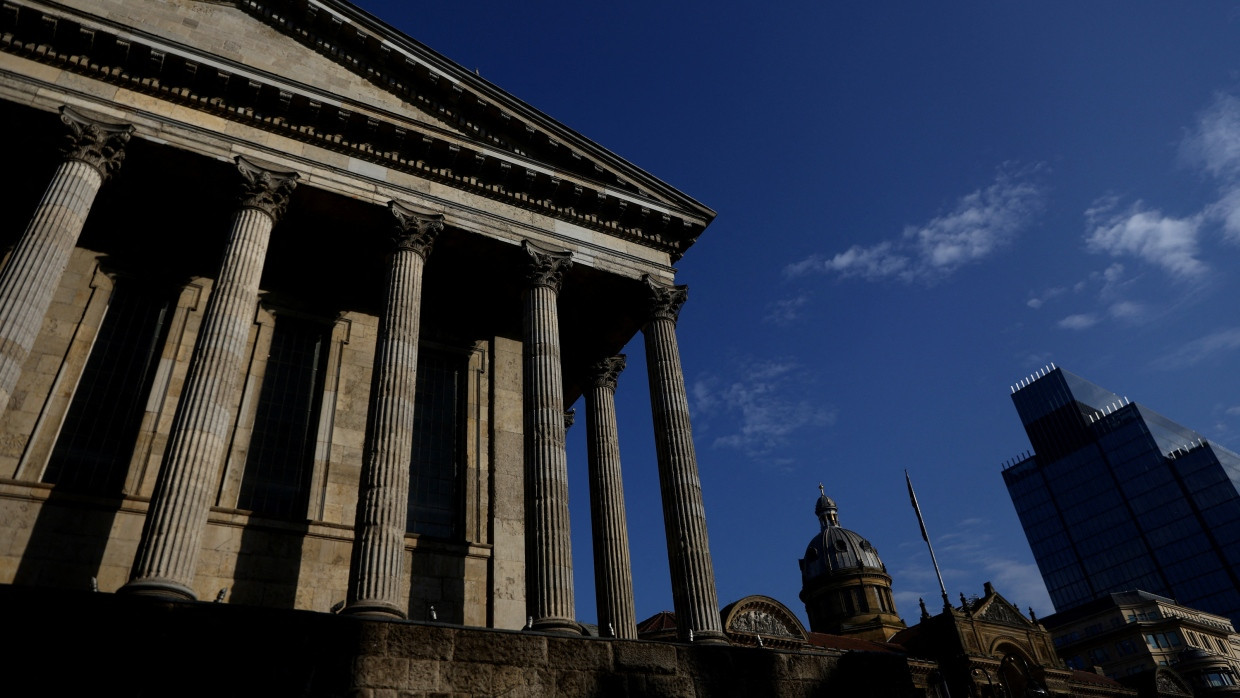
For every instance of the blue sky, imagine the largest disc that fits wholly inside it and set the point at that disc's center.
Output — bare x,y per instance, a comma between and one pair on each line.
919,205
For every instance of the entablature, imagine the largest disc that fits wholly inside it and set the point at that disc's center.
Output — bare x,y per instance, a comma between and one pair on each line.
491,145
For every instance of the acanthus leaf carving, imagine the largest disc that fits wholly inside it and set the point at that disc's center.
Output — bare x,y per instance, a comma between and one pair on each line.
546,266
606,373
415,231
265,189
97,143
664,301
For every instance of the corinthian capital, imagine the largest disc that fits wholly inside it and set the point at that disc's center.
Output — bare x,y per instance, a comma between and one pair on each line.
96,143
547,267
605,373
264,189
664,301
415,231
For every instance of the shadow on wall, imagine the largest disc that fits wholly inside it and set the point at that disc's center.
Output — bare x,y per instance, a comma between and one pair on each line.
68,541
269,565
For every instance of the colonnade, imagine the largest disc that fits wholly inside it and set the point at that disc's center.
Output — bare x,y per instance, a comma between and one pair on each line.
168,551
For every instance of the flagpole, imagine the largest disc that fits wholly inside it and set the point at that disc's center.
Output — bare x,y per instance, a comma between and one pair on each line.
926,537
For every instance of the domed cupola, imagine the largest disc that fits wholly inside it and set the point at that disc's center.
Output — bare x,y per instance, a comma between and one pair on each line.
844,583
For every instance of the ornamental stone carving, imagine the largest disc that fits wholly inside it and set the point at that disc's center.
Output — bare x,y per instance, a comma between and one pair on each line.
664,301
606,373
999,612
415,231
761,622
265,190
570,418
546,267
96,143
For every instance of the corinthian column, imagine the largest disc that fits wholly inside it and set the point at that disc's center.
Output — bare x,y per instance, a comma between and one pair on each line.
613,573
168,551
383,498
548,556
93,151
684,518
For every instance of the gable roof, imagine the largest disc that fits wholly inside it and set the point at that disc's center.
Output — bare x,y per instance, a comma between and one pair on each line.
449,124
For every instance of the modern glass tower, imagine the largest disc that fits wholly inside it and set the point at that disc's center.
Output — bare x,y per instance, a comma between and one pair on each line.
1117,497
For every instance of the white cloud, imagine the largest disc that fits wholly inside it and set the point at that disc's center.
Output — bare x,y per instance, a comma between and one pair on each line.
1227,212
1081,321
1171,243
1214,143
1200,349
1127,310
763,408
982,222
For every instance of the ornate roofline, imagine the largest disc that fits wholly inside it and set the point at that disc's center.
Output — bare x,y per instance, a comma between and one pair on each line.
513,154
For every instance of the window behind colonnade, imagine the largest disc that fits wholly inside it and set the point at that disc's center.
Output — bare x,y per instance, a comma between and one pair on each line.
100,430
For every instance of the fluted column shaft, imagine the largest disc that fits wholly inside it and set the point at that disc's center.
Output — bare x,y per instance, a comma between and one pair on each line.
93,151
168,552
613,571
684,517
548,559
383,499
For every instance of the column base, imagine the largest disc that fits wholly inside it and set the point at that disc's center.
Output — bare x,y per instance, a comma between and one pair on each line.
373,609
559,626
708,637
156,588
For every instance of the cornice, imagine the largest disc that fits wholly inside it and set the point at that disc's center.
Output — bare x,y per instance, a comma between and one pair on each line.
370,40
540,175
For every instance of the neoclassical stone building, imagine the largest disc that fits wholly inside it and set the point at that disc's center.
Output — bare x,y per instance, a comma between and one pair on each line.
291,311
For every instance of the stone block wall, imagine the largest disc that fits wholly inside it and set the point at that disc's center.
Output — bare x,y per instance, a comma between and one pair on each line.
92,643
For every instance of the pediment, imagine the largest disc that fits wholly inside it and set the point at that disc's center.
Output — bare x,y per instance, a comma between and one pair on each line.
997,609
327,73
762,620
237,38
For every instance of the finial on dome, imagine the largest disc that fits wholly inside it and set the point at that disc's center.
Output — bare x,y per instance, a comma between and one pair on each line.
825,509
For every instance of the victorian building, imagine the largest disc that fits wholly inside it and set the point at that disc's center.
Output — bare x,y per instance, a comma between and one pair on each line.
844,584
1151,642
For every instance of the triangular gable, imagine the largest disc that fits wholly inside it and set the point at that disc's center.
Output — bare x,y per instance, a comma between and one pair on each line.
996,609
326,73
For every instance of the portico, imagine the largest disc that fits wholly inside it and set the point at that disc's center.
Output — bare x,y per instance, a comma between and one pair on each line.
352,324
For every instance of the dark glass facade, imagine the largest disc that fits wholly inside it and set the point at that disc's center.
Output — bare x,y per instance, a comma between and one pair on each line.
1117,497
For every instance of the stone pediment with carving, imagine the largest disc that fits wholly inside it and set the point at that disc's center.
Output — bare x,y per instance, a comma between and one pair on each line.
996,609
755,616
326,73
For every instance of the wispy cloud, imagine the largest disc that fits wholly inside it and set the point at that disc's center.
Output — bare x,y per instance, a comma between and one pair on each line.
1213,143
1164,241
785,311
1200,349
1038,300
981,223
969,555
1173,242
1128,310
761,409
1081,321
